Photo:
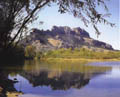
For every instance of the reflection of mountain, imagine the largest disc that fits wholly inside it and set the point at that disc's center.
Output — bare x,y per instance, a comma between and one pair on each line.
63,81
52,75
58,76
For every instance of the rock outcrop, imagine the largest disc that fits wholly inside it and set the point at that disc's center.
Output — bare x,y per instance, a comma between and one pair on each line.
62,37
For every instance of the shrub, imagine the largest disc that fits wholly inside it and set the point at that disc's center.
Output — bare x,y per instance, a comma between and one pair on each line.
30,52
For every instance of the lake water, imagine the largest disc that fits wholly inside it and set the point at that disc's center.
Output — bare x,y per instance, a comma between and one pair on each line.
66,79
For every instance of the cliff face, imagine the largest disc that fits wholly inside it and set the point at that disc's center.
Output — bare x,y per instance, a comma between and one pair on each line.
62,37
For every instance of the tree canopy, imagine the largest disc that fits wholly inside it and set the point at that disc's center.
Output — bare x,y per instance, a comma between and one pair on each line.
15,15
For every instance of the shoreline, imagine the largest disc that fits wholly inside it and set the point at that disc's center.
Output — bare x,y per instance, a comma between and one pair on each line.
77,59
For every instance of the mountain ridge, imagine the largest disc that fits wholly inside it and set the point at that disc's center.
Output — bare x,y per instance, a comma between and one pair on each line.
62,37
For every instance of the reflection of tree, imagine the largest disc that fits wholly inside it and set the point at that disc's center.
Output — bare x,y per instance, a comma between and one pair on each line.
6,85
64,81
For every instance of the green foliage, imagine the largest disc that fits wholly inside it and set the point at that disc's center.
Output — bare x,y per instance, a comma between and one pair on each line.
85,53
39,55
30,52
82,53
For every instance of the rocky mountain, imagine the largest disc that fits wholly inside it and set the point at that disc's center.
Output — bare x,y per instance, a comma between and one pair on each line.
62,37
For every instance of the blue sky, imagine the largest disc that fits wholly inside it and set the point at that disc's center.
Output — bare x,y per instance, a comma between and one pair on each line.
51,17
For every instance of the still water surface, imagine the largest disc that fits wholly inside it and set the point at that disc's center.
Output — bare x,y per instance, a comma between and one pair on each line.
67,79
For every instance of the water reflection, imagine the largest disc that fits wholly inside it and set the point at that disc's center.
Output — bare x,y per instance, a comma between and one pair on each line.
65,79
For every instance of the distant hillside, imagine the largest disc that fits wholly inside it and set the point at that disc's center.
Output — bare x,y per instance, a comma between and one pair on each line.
62,37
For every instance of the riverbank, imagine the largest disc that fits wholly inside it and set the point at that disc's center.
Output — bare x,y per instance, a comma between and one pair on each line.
7,89
78,59
13,94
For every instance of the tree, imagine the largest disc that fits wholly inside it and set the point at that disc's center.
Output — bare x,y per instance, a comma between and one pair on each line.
16,15
30,51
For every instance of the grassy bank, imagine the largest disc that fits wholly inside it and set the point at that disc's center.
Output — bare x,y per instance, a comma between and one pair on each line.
77,59
19,54
79,54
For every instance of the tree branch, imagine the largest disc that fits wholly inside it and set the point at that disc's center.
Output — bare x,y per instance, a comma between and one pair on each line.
27,18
